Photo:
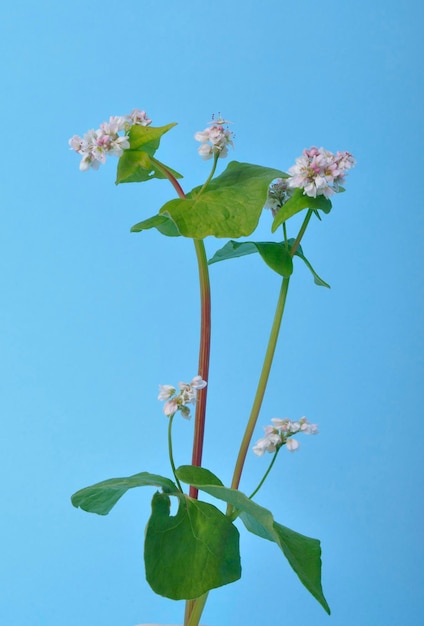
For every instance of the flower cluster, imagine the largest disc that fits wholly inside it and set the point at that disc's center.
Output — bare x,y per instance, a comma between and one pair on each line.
179,401
215,139
280,433
97,144
278,194
320,172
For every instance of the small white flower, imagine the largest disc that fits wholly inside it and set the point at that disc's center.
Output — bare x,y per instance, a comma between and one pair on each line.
198,383
292,445
170,407
166,391
269,443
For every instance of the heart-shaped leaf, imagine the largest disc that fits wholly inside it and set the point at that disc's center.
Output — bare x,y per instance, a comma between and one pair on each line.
192,552
230,206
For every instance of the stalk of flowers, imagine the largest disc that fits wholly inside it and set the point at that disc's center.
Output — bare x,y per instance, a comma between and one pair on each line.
97,144
179,401
280,434
320,172
215,139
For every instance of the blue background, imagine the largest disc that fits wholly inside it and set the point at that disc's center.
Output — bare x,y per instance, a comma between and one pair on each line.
93,317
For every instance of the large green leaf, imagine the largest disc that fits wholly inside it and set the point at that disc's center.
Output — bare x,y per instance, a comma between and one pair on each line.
162,223
303,553
135,164
229,207
275,255
102,497
189,553
298,202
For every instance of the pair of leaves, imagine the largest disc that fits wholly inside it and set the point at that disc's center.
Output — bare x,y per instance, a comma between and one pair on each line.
275,255
230,206
136,164
185,555
198,548
303,553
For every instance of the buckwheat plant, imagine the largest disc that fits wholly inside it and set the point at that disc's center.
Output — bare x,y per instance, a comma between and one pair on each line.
202,538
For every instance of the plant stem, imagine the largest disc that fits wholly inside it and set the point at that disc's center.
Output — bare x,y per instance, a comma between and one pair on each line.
194,610
204,355
206,183
265,476
260,391
266,368
171,455
205,325
298,239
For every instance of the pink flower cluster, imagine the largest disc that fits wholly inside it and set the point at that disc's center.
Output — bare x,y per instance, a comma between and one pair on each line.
215,139
280,433
179,401
320,172
97,144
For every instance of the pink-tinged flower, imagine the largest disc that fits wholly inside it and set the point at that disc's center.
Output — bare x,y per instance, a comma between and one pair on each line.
138,118
96,145
198,383
166,391
292,445
319,172
170,407
280,434
215,139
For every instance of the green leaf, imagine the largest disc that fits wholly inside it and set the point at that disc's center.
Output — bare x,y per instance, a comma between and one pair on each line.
275,255
189,553
102,497
298,202
162,223
303,553
229,207
317,279
136,165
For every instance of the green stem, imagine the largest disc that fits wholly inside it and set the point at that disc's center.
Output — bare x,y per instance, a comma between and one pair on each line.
170,452
266,368
195,611
304,226
260,391
265,476
215,162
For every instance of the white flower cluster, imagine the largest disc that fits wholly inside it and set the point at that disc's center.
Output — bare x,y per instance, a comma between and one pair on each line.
320,172
280,433
97,144
215,139
179,401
